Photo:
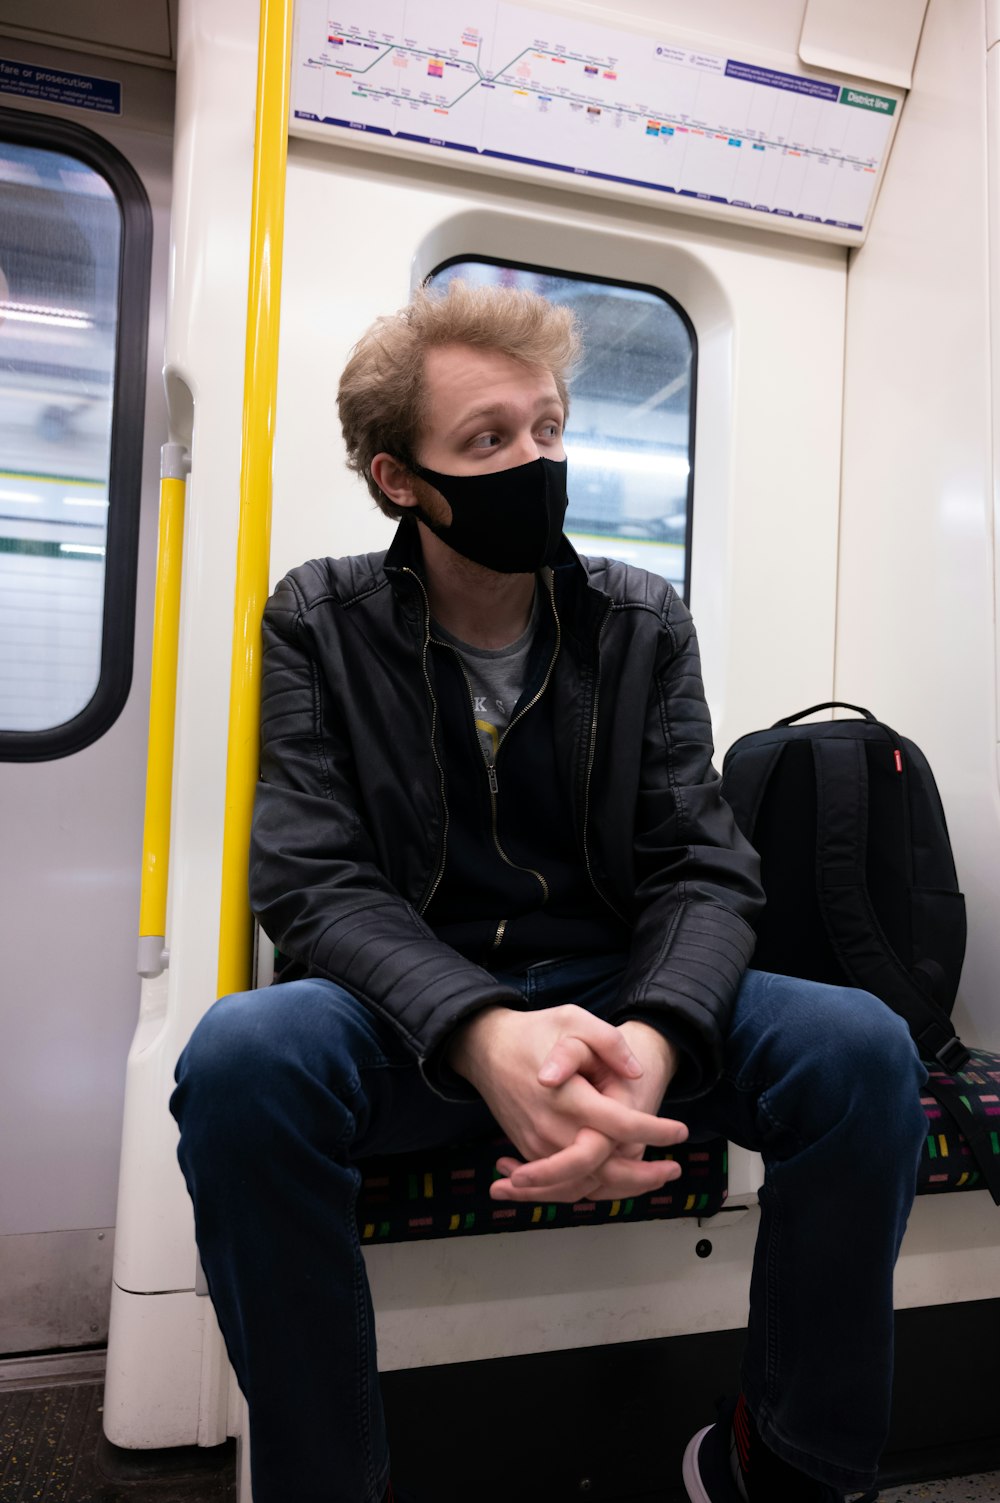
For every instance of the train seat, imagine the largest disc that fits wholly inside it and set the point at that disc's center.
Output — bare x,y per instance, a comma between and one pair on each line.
445,1192
947,1162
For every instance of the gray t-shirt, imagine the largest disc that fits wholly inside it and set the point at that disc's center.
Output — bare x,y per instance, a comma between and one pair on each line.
496,678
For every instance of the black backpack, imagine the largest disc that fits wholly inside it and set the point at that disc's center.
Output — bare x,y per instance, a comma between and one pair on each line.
859,876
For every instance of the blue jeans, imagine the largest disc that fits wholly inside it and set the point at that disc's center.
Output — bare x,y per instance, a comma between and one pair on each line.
281,1091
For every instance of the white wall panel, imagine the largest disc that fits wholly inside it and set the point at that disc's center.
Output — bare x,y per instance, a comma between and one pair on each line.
915,638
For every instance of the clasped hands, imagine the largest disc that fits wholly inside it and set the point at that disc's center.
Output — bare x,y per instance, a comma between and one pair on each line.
578,1097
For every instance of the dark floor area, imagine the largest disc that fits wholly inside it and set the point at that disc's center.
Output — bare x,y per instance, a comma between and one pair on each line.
52,1451
609,1424
605,1425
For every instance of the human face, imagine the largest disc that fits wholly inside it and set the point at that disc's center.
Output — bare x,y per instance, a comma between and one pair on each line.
484,411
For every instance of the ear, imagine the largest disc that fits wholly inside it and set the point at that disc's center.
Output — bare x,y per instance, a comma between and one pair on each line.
394,480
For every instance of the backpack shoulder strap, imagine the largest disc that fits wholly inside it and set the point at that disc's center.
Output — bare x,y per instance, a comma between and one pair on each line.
855,933
861,946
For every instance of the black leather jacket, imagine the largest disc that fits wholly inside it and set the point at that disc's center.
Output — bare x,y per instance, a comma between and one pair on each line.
351,818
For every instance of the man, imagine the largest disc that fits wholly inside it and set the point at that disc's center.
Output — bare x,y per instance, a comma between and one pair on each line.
489,833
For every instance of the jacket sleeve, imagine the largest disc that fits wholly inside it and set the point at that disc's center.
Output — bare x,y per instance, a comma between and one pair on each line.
314,881
697,879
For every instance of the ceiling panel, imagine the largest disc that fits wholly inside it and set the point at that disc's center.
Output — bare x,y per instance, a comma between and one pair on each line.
136,28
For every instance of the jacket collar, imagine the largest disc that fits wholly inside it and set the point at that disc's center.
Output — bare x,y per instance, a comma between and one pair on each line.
405,552
581,605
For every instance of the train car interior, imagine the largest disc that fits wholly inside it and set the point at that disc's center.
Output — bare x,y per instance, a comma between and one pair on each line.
778,226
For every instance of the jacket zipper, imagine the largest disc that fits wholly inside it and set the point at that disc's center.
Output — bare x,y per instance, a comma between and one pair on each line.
491,774
437,760
491,766
592,750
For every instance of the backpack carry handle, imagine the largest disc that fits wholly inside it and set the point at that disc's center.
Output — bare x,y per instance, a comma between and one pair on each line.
831,704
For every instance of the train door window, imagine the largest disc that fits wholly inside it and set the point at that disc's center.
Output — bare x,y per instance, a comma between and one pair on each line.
630,436
75,245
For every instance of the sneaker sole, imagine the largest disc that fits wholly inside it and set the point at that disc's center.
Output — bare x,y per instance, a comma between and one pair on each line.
690,1472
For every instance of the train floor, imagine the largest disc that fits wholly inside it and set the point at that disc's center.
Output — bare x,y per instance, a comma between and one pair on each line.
52,1451
983,1488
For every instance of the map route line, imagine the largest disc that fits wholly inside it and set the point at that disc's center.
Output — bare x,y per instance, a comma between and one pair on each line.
417,52
496,80
530,88
494,77
360,72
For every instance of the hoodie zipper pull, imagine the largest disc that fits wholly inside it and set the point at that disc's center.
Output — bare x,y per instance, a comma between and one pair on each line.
492,773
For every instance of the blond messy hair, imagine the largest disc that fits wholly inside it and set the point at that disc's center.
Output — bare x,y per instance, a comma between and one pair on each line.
381,396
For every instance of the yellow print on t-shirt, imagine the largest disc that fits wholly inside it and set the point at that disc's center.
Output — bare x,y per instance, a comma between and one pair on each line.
491,731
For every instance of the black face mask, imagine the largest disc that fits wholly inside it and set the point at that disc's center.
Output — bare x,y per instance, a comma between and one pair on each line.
508,520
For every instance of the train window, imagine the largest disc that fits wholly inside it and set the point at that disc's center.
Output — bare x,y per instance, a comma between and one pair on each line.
630,437
75,246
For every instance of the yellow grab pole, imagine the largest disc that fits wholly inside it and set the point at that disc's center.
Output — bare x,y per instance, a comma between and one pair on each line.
174,465
254,541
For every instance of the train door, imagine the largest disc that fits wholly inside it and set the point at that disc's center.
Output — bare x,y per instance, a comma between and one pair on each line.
85,183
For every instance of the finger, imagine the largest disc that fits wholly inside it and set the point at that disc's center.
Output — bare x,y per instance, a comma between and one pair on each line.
620,1123
561,1194
591,1157
619,1180
606,1041
567,1057
581,1162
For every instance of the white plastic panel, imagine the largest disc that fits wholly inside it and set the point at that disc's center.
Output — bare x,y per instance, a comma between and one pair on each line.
854,36
949,1253
158,1352
502,1296
916,637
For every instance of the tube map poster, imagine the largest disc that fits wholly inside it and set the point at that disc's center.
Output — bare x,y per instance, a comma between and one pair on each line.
504,83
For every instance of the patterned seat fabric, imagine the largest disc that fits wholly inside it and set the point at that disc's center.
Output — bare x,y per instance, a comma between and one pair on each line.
947,1162
446,1192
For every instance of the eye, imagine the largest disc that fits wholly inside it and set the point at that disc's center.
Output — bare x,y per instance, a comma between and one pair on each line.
485,441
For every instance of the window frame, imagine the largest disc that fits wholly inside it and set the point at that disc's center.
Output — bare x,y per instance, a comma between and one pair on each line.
47,133
666,297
